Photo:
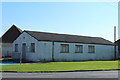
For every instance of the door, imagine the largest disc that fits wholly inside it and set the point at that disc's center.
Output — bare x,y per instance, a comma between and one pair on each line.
23,50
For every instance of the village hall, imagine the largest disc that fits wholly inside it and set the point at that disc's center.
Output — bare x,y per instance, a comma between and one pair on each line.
47,46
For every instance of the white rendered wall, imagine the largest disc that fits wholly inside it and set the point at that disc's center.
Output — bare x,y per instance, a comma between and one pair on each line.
102,52
7,49
43,50
28,40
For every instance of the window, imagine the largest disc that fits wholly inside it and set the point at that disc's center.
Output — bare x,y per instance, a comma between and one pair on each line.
32,47
78,49
64,48
16,47
91,49
23,37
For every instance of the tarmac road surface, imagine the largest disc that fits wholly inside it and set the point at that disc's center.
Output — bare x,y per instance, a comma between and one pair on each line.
86,74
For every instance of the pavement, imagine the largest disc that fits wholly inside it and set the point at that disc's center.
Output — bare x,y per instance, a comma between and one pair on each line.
86,74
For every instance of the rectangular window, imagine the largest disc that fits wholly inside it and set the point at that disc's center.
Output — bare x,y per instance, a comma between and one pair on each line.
32,47
91,49
64,48
16,47
79,49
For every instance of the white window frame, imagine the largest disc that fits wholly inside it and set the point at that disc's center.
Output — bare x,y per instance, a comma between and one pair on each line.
78,48
16,47
91,49
32,49
64,48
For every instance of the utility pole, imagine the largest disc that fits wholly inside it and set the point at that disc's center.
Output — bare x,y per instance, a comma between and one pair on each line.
21,57
114,43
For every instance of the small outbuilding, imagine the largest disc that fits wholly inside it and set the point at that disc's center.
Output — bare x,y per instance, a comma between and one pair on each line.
7,39
44,46
118,44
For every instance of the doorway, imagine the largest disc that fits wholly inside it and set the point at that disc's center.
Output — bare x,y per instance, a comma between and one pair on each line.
23,50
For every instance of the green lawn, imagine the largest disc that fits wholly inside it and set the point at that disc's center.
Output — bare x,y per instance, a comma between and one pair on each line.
62,66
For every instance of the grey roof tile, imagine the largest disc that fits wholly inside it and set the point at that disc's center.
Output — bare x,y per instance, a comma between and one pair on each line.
45,36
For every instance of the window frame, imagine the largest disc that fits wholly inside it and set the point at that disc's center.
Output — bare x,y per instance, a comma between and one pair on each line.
32,48
92,49
80,48
66,50
16,48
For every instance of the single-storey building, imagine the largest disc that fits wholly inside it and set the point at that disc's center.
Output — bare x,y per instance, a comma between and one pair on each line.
44,46
7,39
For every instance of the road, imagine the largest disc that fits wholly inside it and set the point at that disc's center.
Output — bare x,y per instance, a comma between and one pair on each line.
89,74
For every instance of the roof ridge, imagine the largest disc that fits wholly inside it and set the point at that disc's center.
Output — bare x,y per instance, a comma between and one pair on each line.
16,27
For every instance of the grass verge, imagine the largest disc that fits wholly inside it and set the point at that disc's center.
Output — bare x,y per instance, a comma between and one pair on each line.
62,66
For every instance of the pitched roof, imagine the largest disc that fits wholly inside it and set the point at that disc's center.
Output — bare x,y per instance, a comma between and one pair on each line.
11,34
45,36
